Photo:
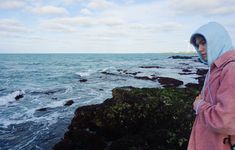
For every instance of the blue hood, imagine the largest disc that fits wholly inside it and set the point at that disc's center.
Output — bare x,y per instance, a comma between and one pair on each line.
217,39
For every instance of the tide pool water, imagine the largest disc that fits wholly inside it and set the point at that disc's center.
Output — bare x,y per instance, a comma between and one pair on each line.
50,80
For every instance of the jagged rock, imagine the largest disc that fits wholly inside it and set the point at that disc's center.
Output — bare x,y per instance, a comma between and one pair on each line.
49,92
186,70
146,78
150,67
181,57
169,82
108,73
2,89
185,73
134,118
42,109
132,73
69,102
19,96
192,85
201,80
201,71
83,80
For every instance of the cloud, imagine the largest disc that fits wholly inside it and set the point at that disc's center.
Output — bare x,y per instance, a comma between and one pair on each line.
162,27
111,21
100,4
12,26
208,7
57,27
48,10
70,2
11,4
70,24
85,11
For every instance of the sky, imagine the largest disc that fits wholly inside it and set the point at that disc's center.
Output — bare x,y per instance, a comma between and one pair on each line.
107,26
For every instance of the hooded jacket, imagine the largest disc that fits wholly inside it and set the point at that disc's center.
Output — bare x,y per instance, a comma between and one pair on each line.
216,114
217,39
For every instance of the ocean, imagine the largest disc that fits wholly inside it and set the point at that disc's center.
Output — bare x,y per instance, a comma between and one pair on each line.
50,80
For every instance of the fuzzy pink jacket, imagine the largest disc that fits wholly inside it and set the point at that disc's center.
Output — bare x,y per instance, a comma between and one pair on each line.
216,114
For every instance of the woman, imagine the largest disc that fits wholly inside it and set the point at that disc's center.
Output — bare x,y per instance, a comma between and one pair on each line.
214,126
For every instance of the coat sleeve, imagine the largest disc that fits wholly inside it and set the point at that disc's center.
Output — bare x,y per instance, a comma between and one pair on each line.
221,116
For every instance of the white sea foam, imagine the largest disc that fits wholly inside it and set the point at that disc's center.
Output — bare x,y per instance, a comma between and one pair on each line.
29,117
4,100
85,73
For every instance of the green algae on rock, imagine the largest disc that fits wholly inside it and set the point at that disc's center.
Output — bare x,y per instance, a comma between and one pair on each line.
134,118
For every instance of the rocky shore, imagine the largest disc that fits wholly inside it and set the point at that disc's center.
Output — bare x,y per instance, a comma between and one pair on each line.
138,118
134,119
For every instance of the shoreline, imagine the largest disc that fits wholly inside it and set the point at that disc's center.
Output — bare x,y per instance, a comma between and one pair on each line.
134,118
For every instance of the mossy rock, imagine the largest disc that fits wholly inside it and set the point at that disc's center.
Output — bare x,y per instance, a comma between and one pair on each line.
134,118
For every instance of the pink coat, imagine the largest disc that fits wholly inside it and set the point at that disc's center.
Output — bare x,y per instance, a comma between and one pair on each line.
216,115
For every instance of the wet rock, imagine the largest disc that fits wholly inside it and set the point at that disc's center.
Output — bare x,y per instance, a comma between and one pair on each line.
134,118
169,82
181,57
133,73
186,70
150,67
2,89
184,73
83,80
42,109
49,92
201,71
19,96
192,85
69,102
108,73
146,78
201,80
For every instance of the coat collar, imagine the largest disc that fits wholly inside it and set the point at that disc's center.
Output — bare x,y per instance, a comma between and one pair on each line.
225,58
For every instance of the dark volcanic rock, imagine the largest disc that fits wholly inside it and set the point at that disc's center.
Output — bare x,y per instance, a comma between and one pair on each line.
186,70
19,96
202,71
185,73
83,80
69,102
169,82
2,89
42,109
150,67
201,80
133,73
108,73
146,78
138,119
49,92
181,57
193,85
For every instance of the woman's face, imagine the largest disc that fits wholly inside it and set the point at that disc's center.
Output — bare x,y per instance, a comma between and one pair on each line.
201,43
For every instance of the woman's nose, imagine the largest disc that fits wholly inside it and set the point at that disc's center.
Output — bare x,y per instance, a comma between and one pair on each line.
201,48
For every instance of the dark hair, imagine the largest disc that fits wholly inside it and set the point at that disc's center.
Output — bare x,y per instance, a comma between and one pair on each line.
193,39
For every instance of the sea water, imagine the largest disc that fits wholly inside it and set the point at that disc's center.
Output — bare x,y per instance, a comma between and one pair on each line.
50,80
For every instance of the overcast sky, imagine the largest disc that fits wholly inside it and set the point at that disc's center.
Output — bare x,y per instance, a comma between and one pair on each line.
107,26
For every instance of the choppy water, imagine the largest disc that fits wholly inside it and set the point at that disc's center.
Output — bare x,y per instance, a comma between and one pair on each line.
49,80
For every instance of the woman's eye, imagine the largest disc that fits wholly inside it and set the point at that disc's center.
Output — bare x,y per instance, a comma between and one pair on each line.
203,42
